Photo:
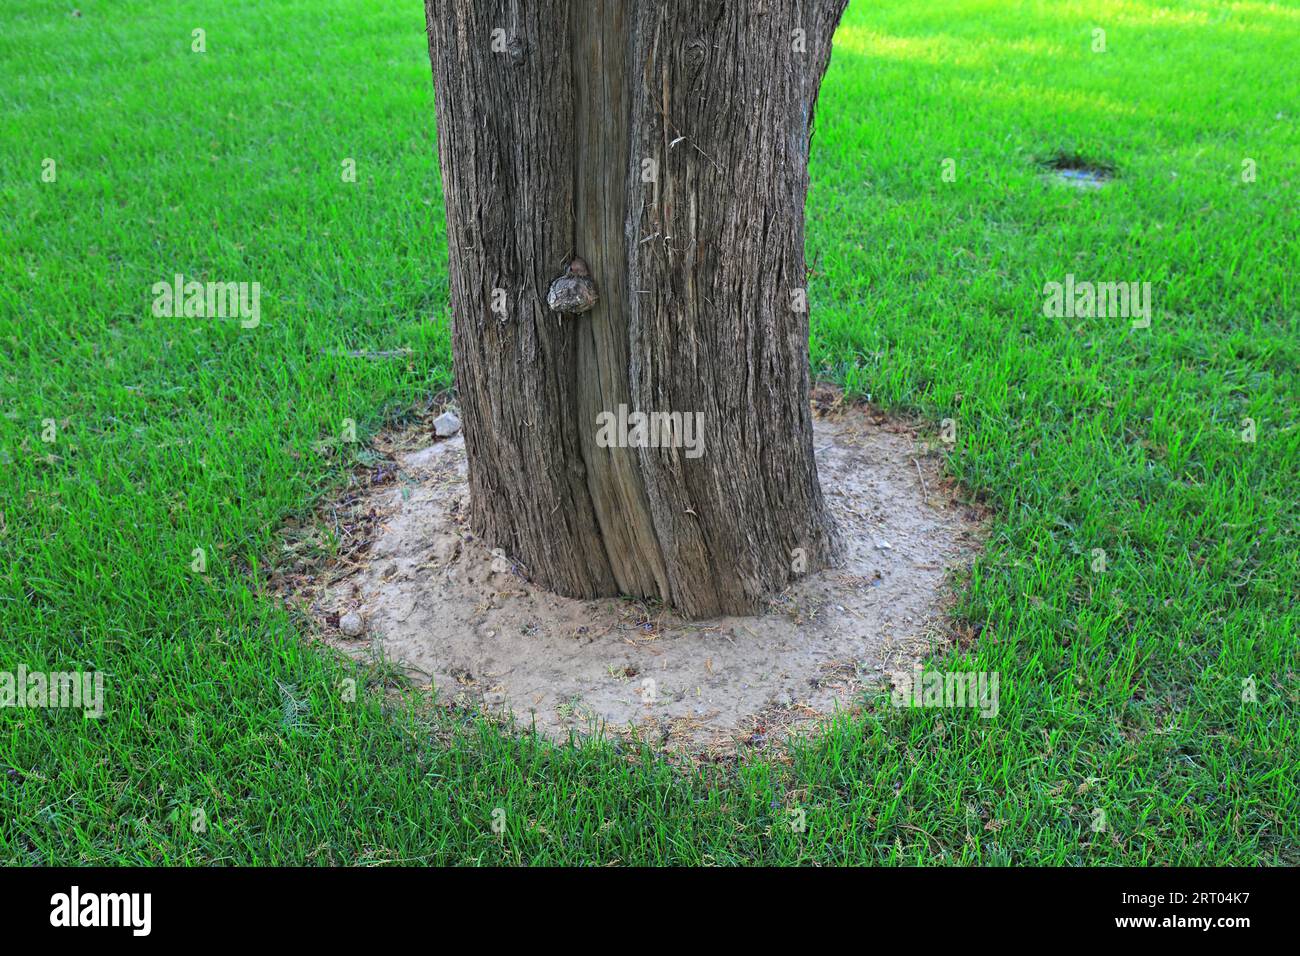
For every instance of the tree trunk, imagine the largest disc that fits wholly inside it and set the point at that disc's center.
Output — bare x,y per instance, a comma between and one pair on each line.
667,145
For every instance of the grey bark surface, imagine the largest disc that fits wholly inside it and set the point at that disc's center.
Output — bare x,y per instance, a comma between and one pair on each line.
550,115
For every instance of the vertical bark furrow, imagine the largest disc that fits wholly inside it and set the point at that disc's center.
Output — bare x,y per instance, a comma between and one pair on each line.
599,31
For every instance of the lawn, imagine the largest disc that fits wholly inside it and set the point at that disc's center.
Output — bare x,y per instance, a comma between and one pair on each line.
1149,711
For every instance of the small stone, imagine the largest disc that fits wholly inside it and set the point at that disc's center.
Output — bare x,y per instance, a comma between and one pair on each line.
446,425
352,625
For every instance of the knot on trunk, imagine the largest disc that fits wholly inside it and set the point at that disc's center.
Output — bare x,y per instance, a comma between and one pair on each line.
573,293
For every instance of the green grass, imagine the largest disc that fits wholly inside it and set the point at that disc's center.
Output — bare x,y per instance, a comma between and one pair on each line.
1120,691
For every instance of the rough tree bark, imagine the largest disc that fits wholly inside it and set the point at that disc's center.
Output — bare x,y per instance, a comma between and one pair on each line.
666,143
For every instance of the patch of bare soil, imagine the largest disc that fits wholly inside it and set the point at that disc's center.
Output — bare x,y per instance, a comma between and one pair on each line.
426,594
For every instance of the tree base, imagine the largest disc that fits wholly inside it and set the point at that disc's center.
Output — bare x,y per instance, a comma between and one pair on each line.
433,598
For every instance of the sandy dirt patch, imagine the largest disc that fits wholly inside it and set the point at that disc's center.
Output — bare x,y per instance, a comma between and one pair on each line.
412,585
